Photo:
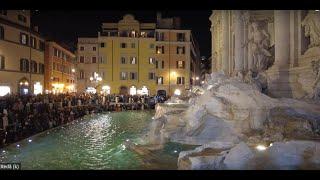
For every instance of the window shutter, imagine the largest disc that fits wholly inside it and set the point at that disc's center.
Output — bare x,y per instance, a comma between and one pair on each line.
182,80
177,64
183,64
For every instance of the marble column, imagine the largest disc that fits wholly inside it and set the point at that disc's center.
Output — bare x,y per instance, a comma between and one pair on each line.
282,39
213,48
225,41
239,41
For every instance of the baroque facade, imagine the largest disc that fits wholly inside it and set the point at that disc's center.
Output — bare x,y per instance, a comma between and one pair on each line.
279,49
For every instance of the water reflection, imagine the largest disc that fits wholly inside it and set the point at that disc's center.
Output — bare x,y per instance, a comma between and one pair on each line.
95,142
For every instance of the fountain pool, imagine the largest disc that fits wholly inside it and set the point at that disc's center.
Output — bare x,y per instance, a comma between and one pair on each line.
93,142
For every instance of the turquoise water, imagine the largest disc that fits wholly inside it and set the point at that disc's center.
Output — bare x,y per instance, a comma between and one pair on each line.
93,142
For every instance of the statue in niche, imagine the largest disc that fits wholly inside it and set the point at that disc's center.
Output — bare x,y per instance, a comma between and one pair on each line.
311,24
316,84
259,43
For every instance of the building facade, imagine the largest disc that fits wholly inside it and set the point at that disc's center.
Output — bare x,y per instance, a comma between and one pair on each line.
60,69
21,54
130,57
281,48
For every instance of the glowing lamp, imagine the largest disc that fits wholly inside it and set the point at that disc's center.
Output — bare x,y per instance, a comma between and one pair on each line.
261,148
177,92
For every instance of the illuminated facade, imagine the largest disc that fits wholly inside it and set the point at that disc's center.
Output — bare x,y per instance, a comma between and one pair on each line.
21,54
126,56
60,72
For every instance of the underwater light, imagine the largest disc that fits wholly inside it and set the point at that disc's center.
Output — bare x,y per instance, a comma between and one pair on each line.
29,140
3,151
152,118
127,140
175,151
270,145
18,145
261,147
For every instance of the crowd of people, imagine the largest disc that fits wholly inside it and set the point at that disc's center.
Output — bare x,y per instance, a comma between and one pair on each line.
24,116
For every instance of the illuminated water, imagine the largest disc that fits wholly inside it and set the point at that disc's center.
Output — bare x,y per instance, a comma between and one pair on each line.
93,142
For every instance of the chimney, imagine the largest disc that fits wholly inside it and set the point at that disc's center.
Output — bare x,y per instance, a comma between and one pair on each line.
177,23
158,17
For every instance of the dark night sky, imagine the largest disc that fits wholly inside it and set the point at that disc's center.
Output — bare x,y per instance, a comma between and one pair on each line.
66,26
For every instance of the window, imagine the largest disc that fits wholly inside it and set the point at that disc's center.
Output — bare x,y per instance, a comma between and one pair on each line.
180,80
81,48
64,56
180,37
33,66
41,68
94,59
180,64
24,65
3,12
180,50
159,36
41,45
151,60
22,18
59,54
81,59
33,42
157,64
159,80
133,60
151,75
24,38
123,75
133,75
102,74
102,60
123,60
55,52
133,45
94,48
162,64
2,62
102,44
1,32
81,74
160,49
123,45
151,46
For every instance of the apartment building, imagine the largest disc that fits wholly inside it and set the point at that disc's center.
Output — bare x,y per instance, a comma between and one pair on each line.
131,57
21,54
60,69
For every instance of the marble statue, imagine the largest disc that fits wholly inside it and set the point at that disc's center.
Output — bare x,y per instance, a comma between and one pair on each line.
316,84
259,43
311,24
